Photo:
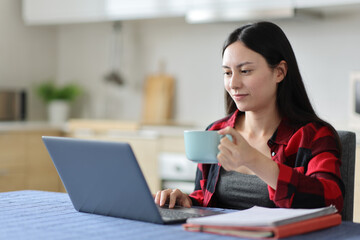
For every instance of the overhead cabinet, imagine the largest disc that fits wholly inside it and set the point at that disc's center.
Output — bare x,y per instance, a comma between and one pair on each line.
37,12
62,11
323,3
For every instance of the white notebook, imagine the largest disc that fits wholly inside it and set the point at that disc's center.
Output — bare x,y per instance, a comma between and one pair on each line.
261,216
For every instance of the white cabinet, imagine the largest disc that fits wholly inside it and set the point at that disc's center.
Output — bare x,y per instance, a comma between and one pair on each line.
141,9
77,11
323,3
63,11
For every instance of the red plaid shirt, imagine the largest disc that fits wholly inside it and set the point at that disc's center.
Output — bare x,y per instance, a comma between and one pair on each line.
309,163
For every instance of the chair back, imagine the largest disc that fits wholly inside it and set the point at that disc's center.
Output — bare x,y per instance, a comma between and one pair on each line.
347,169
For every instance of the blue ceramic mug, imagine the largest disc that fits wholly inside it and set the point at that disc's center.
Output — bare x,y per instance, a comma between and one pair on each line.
202,146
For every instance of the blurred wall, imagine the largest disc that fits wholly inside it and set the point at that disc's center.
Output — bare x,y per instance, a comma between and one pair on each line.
28,55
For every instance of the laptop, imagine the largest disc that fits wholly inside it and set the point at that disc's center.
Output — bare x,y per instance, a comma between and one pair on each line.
104,177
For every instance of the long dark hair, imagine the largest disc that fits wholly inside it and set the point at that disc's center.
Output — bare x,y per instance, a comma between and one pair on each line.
271,42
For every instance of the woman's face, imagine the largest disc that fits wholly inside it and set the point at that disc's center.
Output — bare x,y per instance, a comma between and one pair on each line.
248,78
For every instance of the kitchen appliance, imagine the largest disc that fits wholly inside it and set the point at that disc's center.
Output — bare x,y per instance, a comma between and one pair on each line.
176,171
12,104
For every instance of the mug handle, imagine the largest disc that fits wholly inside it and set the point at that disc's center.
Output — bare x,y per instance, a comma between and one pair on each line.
228,136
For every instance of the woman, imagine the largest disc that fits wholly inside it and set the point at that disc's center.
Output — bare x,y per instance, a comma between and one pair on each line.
282,154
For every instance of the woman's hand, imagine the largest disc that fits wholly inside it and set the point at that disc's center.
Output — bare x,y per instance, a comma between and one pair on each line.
173,196
236,152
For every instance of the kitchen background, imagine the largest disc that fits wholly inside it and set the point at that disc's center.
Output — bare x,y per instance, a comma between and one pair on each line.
74,42
327,49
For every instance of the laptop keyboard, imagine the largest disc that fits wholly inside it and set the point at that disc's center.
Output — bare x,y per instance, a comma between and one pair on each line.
181,213
178,213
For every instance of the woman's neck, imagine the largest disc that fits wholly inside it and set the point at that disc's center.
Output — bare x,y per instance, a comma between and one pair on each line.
259,124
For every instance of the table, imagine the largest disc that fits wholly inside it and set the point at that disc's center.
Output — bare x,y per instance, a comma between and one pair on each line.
50,215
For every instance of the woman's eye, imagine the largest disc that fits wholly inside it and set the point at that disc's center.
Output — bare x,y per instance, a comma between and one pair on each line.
227,73
245,71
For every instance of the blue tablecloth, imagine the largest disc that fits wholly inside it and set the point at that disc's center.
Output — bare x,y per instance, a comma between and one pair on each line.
50,215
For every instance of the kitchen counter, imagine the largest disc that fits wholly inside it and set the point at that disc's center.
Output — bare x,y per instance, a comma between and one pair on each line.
29,126
108,130
116,128
24,161
169,130
147,131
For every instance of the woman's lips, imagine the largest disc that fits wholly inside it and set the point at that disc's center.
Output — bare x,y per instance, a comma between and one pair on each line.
238,97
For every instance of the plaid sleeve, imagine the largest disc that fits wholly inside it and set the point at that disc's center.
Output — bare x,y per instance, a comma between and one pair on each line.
309,171
197,196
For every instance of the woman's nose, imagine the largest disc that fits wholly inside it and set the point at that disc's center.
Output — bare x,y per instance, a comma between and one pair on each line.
235,81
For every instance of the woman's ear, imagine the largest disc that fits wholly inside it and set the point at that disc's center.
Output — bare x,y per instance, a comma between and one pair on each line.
281,71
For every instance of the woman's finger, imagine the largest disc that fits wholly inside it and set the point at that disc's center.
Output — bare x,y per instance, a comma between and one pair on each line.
157,197
164,196
226,141
236,137
185,201
223,159
224,150
225,130
174,196
224,163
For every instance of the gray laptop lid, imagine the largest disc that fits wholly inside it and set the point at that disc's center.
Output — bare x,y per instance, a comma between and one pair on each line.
103,178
